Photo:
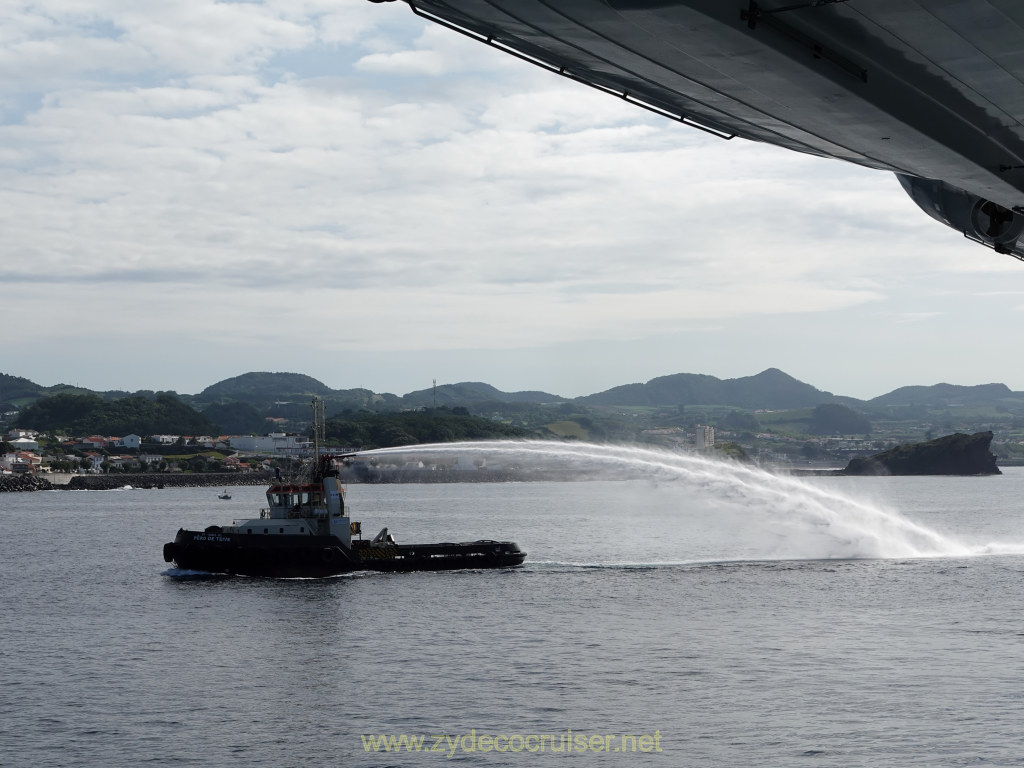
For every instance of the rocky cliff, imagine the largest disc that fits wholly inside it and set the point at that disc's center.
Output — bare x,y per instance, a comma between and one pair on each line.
957,454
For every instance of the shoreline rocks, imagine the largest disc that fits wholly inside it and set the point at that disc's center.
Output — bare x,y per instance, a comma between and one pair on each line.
957,454
23,483
152,480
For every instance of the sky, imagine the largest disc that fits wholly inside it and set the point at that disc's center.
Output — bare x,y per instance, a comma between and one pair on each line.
191,190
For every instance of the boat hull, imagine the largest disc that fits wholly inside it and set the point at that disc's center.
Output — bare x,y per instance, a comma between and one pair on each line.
284,556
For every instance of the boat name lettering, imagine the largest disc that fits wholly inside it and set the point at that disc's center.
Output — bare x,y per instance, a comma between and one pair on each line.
210,537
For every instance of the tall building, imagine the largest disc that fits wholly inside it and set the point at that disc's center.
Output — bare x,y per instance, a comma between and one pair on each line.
704,437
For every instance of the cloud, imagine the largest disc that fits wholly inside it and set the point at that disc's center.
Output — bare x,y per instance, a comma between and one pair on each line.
405,62
915,317
229,176
295,165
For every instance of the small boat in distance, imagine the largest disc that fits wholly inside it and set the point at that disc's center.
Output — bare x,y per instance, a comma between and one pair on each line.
224,495
306,532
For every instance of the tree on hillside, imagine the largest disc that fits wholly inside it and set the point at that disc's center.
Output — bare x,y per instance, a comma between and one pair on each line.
59,413
15,387
436,425
740,421
836,419
236,418
84,414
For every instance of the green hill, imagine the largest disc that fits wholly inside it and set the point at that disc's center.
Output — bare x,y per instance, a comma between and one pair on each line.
770,389
285,396
90,414
943,395
434,425
470,392
260,402
263,386
14,391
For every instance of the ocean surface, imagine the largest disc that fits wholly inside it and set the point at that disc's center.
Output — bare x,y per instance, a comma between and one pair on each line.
699,615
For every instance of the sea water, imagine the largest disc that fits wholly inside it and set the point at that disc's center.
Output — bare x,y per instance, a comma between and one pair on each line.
692,615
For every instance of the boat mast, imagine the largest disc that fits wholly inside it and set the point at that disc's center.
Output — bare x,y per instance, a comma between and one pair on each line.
318,427
317,470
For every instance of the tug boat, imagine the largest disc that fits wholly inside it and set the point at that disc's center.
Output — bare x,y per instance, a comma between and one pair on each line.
305,532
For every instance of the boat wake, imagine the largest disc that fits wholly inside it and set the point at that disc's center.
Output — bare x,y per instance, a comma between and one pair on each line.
185,574
754,514
640,567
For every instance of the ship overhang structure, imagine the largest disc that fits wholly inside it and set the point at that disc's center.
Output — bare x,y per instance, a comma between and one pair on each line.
933,92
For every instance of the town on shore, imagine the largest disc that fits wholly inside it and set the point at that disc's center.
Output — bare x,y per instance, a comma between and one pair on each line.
257,423
100,463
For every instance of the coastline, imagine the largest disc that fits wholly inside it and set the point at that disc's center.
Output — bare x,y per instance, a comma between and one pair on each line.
61,481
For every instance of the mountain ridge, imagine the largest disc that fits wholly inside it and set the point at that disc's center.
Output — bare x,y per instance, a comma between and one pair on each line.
771,389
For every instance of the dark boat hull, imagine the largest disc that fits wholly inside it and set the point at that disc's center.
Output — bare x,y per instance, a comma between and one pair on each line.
283,556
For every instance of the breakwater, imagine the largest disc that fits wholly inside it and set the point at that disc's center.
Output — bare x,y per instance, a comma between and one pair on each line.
16,483
21,483
182,480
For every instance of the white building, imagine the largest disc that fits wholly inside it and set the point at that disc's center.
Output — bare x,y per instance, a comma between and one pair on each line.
704,437
129,441
277,443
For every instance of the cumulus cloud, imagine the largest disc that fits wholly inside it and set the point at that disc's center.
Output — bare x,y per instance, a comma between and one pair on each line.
405,62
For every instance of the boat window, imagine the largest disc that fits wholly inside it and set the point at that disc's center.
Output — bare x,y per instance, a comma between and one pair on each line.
266,530
282,530
250,530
